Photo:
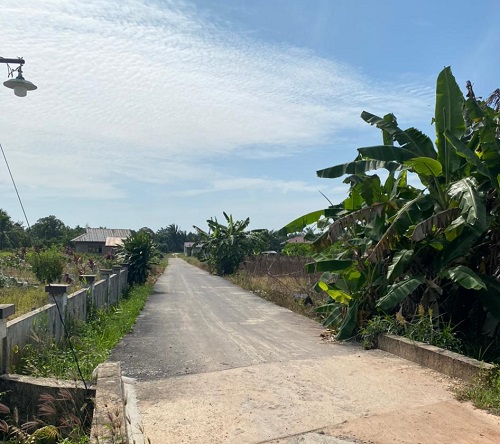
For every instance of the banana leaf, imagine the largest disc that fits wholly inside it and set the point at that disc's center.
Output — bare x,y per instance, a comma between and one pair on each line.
465,277
399,262
357,167
425,166
399,291
411,139
349,323
448,118
300,223
471,204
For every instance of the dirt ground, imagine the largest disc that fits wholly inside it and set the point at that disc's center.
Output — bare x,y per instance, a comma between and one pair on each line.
210,363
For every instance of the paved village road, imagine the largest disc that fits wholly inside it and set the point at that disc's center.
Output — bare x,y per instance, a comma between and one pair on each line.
208,362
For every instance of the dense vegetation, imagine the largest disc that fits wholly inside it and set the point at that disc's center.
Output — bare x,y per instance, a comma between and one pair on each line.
431,247
223,247
140,253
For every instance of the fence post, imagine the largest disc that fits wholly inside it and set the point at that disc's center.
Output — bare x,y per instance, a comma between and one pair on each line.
125,266
60,294
106,274
117,270
5,311
88,281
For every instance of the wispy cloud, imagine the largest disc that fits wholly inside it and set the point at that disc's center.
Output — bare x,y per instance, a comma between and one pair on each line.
154,92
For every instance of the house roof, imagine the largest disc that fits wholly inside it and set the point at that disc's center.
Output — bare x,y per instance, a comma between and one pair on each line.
297,240
113,241
101,234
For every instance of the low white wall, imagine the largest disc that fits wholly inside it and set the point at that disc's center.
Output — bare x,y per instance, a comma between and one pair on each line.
46,321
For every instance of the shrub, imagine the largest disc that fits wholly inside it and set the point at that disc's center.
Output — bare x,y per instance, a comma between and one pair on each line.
140,252
47,265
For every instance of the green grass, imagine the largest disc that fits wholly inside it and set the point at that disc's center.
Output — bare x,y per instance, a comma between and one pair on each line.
484,392
25,299
92,341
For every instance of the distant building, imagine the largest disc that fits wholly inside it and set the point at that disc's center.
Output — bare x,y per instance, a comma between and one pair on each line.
190,249
100,240
297,240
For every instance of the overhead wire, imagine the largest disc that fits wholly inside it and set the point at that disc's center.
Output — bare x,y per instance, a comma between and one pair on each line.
30,234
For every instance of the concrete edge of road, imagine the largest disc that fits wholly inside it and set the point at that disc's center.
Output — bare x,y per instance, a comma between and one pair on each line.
443,361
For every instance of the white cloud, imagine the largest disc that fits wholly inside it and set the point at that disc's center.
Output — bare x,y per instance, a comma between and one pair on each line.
134,91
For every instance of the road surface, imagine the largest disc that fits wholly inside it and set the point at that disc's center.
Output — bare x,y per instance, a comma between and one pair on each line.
208,362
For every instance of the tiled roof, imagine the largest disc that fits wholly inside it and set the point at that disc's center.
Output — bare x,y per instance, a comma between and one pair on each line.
101,234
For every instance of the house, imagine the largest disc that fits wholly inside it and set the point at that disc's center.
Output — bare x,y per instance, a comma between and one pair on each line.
297,240
190,249
100,240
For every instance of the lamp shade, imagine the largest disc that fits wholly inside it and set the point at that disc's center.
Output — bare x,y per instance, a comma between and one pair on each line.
20,85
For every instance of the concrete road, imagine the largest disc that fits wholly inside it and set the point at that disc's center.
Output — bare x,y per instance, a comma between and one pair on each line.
210,363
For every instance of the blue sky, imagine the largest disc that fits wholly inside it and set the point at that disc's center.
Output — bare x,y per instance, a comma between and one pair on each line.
152,112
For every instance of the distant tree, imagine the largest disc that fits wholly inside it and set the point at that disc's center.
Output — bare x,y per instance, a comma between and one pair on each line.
148,231
171,238
50,230
12,234
272,240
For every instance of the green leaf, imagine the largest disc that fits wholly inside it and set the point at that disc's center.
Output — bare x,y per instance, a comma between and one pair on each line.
448,117
337,295
399,291
425,166
357,167
399,262
411,139
464,151
302,222
386,153
339,226
437,221
334,312
465,277
347,327
458,248
424,143
328,265
399,225
354,201
471,204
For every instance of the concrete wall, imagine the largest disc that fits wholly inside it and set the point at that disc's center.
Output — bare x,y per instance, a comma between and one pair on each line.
46,321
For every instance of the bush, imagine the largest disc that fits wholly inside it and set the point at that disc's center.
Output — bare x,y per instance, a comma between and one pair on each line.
140,252
47,265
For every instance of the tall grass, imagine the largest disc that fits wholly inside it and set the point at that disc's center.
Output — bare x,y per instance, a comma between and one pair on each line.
25,299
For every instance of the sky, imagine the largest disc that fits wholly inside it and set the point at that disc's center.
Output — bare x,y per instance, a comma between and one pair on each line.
153,112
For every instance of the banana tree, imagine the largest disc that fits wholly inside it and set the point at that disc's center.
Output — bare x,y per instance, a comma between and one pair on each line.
223,247
405,245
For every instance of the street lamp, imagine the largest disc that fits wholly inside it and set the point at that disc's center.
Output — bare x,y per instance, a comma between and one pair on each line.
20,85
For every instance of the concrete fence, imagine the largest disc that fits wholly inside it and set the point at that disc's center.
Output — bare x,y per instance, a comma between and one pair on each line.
15,334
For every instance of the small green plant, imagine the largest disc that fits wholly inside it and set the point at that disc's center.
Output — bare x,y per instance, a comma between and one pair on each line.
47,265
483,392
423,328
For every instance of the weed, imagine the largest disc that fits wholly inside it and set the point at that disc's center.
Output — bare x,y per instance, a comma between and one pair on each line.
483,392
61,419
422,328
